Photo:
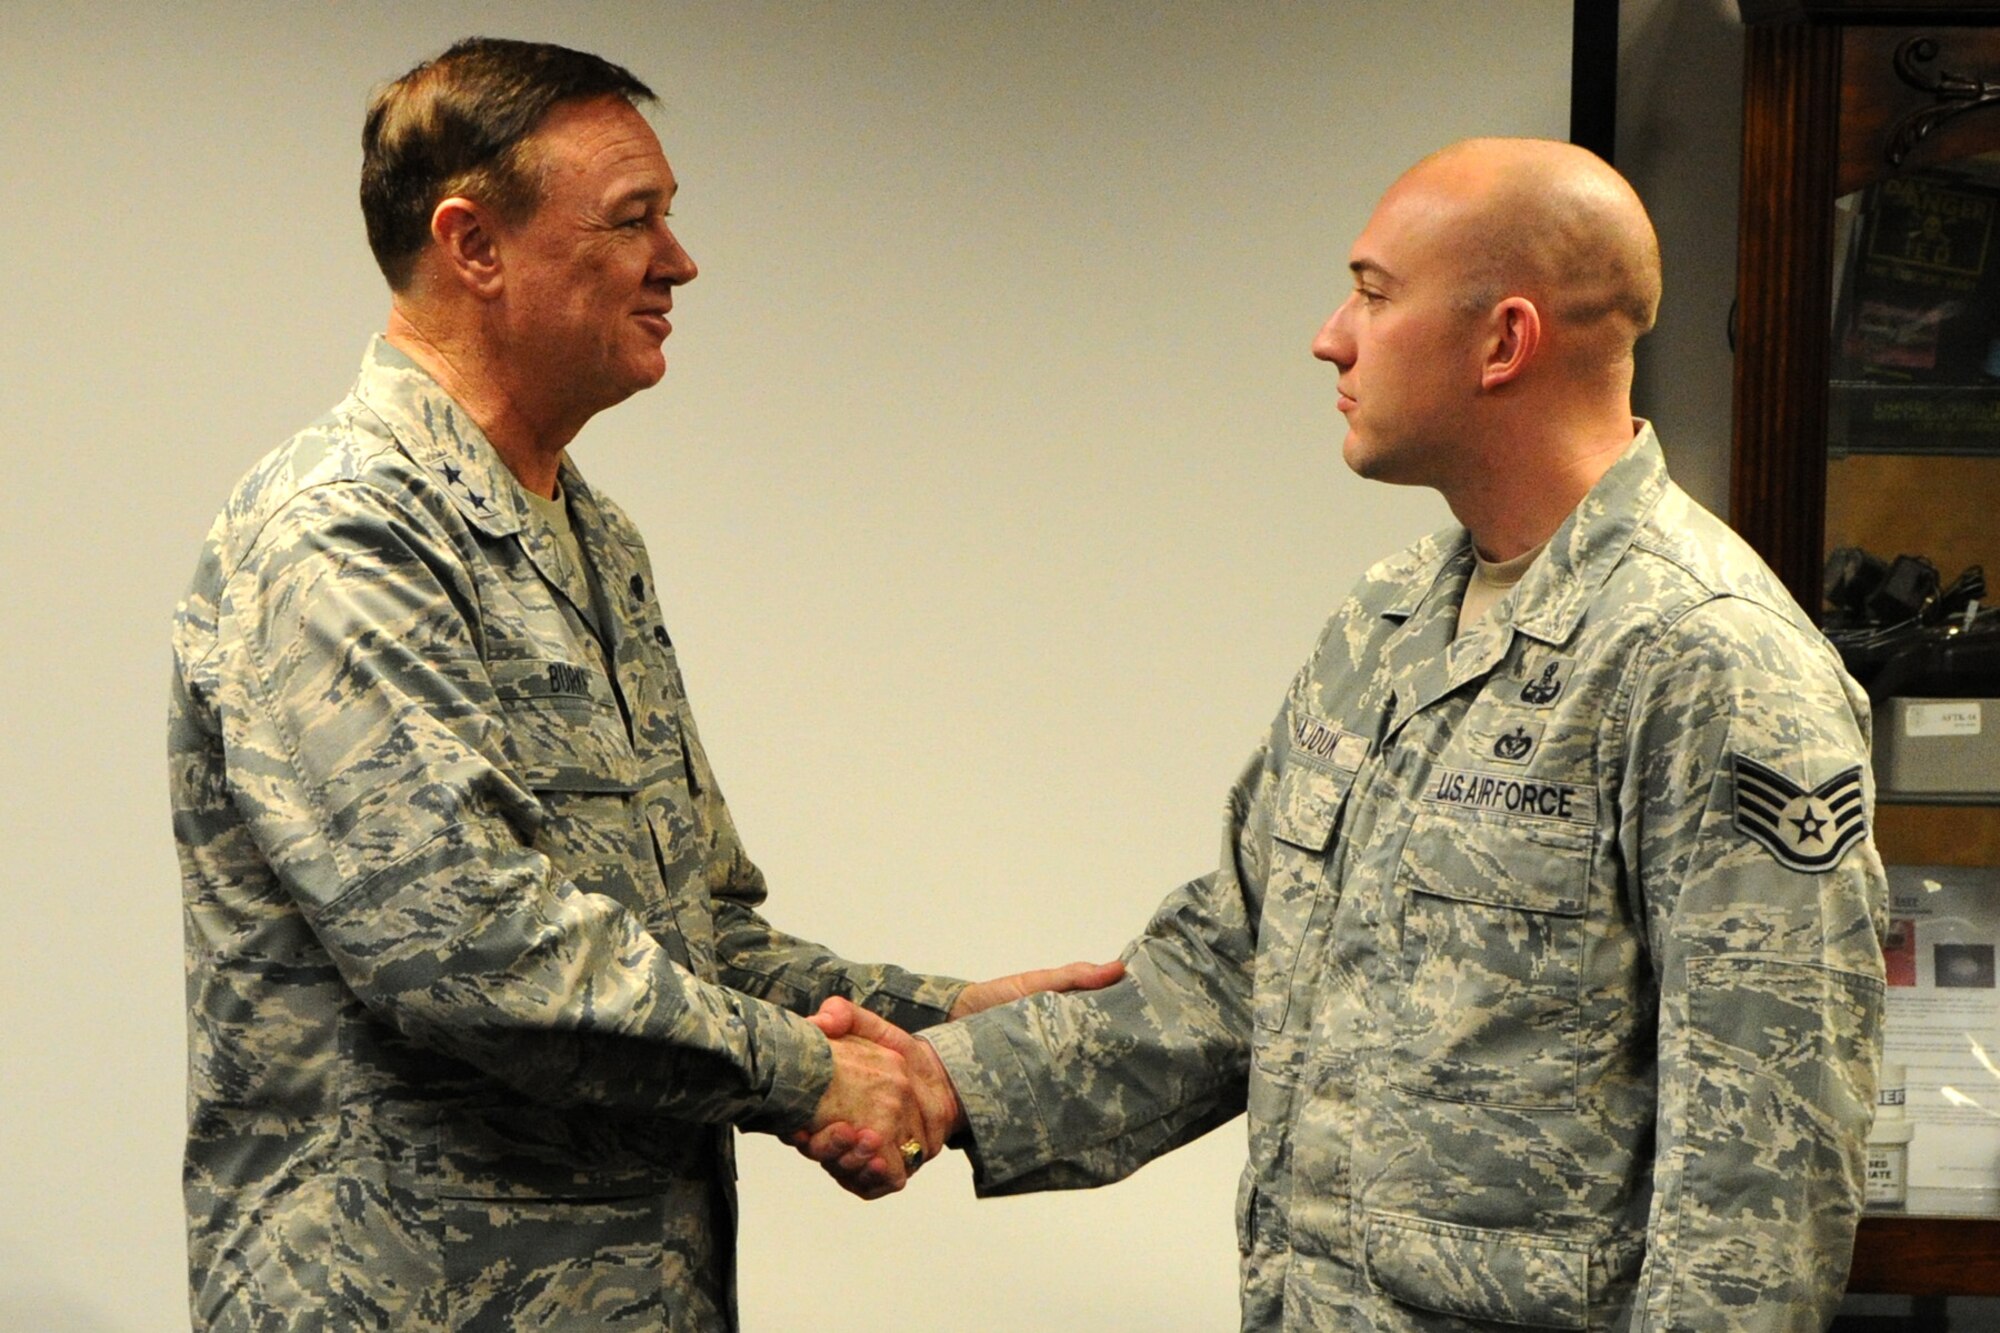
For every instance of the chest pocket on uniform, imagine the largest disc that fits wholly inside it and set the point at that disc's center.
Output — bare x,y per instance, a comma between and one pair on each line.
1298,891
567,737
1492,953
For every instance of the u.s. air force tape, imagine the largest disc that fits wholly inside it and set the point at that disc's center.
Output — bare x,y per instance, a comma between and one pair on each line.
1805,830
1511,794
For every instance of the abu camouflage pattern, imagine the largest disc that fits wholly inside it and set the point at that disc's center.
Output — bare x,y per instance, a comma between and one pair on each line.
476,979
1529,1030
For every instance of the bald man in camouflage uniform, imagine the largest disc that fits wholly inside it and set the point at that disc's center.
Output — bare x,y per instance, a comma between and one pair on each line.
1544,950
477,984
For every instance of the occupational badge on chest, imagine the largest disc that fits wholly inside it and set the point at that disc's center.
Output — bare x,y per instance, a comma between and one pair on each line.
1806,830
1543,683
1516,743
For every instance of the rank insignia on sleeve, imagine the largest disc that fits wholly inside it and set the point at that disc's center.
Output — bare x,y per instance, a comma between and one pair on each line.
1805,830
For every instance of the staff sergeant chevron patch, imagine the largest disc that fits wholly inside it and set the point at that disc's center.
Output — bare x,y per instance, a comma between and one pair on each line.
1805,830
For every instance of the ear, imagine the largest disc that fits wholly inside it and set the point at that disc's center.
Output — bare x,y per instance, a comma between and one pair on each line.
1515,334
465,240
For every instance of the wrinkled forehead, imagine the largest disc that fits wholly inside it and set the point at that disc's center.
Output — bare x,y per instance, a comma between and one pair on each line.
601,146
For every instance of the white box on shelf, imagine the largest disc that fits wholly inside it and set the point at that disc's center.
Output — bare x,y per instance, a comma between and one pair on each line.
1938,747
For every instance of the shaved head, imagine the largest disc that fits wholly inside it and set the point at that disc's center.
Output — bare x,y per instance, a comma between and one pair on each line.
1545,220
1487,348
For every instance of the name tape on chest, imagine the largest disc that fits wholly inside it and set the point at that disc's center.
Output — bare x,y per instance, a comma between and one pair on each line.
1316,740
1507,794
1806,830
567,679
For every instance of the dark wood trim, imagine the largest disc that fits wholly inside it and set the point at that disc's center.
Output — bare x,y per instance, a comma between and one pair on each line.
1926,1256
1785,298
1868,11
1881,108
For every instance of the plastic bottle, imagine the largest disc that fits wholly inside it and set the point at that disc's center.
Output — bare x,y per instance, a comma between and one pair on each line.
1888,1176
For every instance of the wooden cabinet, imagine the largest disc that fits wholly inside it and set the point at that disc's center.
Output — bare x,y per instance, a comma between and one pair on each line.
1846,104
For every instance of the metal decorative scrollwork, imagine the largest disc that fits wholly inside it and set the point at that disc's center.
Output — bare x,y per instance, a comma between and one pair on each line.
1956,94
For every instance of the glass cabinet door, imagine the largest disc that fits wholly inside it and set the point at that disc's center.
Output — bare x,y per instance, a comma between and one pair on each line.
1866,470
1912,524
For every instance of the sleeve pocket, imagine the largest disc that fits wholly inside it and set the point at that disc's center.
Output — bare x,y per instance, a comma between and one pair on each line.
1778,1091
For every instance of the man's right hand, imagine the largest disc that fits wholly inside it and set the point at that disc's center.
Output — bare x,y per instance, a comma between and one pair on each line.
874,1101
856,1152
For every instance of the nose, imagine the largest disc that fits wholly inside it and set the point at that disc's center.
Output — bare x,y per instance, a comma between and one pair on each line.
1335,342
672,263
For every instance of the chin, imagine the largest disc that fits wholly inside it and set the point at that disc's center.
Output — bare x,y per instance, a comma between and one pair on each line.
1383,465
645,375
1355,453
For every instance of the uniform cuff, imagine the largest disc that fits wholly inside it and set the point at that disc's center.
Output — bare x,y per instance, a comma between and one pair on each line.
800,1063
1009,1135
921,1002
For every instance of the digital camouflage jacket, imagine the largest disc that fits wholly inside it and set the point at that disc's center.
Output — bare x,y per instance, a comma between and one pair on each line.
476,980
1546,961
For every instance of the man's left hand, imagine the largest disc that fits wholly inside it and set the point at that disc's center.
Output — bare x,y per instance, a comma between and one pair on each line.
1074,976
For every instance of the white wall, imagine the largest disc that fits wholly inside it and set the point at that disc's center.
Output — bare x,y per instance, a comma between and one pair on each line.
994,495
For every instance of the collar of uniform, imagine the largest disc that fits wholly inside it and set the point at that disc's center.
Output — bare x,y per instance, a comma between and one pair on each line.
1439,563
601,534
1552,596
442,439
1424,584
593,520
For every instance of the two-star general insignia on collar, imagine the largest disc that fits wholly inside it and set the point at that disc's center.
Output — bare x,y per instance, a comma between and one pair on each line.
455,479
1805,830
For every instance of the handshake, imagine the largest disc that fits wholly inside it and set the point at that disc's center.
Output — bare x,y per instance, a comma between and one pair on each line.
891,1106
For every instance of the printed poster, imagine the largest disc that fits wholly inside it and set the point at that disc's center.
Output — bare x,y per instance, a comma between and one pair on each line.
1943,1020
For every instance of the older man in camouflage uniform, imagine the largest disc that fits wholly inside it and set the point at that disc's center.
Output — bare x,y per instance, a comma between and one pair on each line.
477,984
1544,948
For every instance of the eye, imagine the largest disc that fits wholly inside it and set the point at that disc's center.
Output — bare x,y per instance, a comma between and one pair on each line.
644,221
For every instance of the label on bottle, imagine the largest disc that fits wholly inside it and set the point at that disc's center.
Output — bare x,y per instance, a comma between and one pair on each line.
1888,1175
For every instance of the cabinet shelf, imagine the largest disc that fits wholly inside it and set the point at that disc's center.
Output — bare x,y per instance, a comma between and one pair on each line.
1916,832
1972,800
1951,1249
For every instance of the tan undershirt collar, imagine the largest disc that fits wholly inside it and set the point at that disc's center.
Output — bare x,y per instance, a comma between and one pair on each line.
1491,580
